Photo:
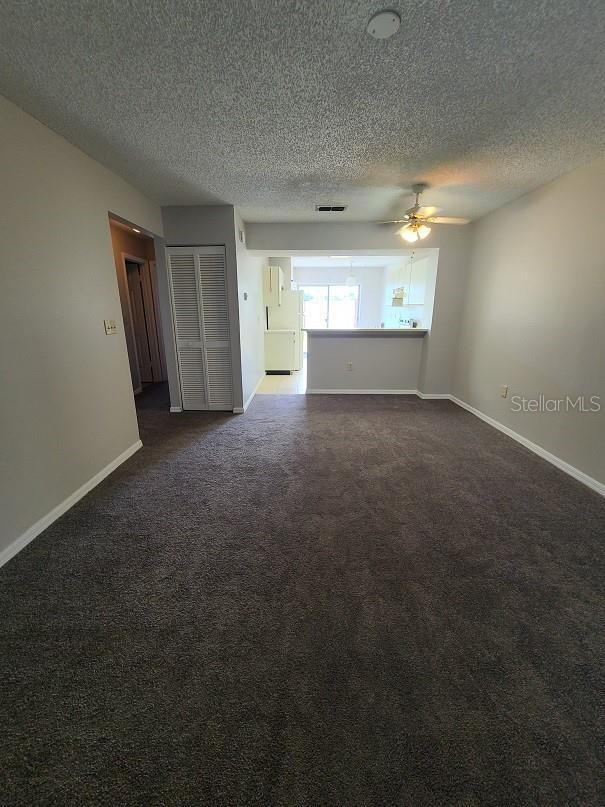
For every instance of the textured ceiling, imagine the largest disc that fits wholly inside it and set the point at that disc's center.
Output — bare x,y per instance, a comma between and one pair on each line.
276,105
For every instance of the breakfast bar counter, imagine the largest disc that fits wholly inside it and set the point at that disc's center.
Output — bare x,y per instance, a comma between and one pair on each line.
364,360
357,333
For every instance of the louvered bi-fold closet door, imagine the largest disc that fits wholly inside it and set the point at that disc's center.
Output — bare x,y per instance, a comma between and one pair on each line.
215,323
186,316
198,283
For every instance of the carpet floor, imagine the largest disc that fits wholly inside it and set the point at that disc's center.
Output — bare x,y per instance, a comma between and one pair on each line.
330,600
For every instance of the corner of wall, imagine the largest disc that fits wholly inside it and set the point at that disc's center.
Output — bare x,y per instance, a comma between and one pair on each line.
441,343
251,326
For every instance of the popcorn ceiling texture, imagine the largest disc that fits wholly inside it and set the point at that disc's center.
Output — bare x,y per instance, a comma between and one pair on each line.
274,106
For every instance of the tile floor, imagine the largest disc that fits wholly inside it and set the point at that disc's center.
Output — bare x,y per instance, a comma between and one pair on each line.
294,384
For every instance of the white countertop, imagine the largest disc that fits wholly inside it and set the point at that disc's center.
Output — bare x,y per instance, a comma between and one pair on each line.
388,333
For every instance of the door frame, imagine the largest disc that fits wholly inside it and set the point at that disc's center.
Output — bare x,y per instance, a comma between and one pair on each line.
153,277
124,256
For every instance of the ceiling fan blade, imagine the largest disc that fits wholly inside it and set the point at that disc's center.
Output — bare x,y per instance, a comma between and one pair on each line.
427,212
448,220
395,221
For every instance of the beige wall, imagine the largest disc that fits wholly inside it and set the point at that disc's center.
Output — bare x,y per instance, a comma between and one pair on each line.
534,315
439,347
66,405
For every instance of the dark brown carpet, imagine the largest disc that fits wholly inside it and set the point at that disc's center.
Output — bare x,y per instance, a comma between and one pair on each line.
340,601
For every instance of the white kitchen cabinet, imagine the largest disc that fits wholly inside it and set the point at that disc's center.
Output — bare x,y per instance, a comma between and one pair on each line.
287,317
417,284
273,285
280,350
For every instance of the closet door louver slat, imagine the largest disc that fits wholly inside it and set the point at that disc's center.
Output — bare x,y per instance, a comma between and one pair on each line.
214,297
193,386
184,296
220,386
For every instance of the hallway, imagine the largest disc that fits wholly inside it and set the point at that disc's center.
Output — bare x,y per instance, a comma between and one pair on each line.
153,397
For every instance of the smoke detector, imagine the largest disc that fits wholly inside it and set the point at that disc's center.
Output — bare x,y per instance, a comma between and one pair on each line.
384,24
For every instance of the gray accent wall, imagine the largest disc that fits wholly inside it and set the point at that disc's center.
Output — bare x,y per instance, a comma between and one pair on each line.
534,316
372,364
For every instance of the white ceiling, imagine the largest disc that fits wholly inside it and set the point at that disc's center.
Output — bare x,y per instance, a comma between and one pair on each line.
276,105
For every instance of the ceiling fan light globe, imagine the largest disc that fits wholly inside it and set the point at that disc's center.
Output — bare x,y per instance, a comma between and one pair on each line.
423,231
409,234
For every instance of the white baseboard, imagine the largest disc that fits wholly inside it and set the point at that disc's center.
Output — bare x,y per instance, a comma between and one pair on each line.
176,408
23,540
599,487
239,410
426,396
361,392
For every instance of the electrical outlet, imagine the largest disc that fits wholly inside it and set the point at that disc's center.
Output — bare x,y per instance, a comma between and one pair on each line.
349,365
110,326
504,390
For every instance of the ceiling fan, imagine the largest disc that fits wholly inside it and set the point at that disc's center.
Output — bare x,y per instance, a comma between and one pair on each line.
417,219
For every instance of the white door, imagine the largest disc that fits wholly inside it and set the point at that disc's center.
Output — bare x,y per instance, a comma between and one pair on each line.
331,306
315,306
187,328
343,306
198,284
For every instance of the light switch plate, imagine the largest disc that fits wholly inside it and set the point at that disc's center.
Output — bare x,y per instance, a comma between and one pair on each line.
110,326
504,390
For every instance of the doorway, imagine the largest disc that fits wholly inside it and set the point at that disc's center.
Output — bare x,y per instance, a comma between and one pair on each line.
134,257
140,291
331,306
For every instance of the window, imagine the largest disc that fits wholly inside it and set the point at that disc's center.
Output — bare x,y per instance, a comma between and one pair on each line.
331,306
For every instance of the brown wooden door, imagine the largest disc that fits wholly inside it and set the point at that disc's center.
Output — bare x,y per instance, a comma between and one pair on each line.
144,321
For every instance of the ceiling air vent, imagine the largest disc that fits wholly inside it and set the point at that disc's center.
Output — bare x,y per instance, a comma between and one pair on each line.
330,208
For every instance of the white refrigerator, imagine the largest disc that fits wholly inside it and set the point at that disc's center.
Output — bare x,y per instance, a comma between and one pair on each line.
283,337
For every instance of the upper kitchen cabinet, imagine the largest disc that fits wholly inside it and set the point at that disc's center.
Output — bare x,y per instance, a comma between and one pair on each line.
417,283
273,285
